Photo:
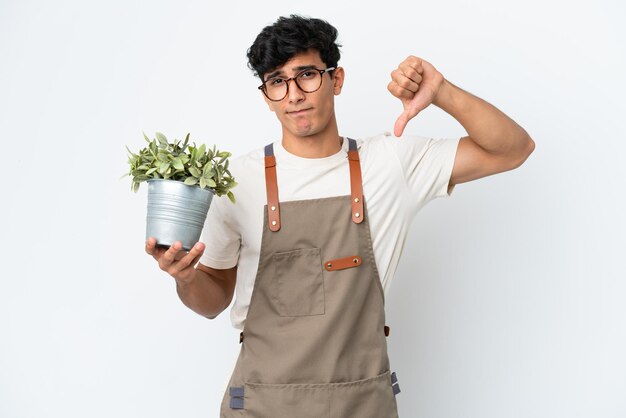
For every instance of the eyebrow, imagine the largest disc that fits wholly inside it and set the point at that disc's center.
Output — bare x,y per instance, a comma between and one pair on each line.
297,69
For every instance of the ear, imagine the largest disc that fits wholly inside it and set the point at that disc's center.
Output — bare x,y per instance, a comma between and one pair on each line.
338,78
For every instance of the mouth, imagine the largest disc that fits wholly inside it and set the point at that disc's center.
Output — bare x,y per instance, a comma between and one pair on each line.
299,112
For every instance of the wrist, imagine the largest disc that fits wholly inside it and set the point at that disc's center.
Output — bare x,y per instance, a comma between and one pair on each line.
444,94
183,285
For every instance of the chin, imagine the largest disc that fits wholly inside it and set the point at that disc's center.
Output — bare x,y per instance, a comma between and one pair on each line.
308,131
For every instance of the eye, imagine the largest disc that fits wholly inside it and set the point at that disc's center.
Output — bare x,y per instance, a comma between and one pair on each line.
275,81
306,74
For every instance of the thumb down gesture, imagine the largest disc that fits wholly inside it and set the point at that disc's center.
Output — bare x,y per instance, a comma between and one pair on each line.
416,83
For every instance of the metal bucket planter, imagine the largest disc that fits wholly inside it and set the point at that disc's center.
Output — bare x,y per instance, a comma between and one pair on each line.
176,212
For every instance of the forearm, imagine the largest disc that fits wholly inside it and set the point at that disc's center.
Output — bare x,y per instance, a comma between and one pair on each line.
487,126
203,295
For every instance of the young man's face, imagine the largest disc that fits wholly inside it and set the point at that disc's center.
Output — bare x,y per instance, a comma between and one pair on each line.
304,114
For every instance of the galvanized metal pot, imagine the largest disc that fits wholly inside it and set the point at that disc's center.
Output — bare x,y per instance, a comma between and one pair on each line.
176,212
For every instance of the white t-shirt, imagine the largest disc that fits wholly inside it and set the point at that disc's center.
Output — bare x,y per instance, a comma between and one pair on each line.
400,175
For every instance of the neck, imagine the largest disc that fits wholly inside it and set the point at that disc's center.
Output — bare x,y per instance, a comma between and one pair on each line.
319,145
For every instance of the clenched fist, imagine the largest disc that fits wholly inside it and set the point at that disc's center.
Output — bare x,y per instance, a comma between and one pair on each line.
416,83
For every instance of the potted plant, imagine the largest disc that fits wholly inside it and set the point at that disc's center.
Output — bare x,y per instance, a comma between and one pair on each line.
182,180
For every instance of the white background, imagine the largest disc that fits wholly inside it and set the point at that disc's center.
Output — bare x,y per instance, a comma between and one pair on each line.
509,301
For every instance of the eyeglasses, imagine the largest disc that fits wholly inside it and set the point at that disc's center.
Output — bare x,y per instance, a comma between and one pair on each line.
309,81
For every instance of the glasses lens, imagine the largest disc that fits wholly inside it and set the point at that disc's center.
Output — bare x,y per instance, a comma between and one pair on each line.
309,80
275,88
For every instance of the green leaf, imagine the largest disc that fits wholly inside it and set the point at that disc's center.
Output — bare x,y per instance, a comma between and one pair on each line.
178,164
231,196
191,181
162,139
195,172
152,170
201,151
209,181
163,167
202,182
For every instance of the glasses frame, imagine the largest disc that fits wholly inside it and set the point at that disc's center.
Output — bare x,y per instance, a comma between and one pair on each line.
263,88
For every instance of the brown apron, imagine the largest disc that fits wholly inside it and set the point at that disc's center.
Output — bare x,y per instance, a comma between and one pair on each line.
313,344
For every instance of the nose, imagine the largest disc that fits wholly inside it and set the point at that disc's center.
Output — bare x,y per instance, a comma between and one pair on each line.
295,94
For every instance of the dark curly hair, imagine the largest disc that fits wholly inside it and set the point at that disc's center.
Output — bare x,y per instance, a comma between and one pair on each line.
289,36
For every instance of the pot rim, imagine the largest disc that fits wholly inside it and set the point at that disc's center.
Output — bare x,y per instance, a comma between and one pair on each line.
183,183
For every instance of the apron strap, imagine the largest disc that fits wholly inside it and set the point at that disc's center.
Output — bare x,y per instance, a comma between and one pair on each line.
356,183
271,185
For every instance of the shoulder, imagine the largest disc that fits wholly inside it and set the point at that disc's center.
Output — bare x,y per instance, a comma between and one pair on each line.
385,140
385,144
248,171
368,143
249,161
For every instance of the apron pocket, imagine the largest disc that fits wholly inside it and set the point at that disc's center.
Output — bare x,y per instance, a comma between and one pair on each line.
368,398
287,400
298,285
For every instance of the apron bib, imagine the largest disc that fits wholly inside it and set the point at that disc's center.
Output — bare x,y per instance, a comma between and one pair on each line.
314,340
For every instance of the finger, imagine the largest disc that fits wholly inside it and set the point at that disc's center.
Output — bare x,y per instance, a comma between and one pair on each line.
190,259
413,60
399,92
170,255
403,81
152,248
414,72
150,245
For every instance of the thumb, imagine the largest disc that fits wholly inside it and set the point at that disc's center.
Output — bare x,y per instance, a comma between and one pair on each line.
402,120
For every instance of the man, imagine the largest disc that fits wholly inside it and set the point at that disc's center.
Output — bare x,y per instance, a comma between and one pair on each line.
319,225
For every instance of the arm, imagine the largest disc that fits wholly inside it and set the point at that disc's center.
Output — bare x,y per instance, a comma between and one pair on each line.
204,290
209,292
495,142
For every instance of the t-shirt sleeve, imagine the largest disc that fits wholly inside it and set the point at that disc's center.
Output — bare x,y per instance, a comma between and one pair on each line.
221,238
427,165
